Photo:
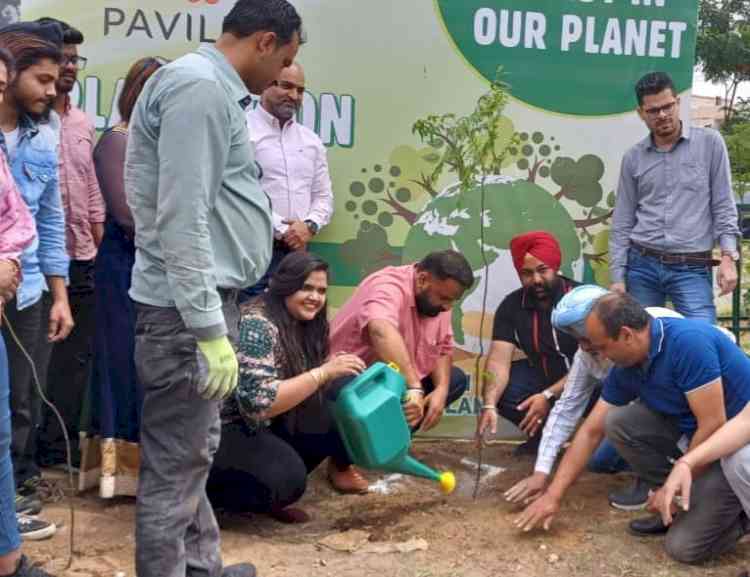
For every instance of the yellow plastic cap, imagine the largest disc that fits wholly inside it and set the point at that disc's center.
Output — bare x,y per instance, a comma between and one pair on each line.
447,482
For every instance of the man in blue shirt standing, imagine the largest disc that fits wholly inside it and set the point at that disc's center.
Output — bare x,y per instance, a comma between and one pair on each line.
203,231
675,382
31,148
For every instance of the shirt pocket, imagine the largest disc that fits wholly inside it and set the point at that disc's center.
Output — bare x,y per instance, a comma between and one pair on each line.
693,176
427,356
34,180
303,167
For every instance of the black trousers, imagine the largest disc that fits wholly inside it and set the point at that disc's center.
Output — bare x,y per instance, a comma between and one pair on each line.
30,326
267,469
69,369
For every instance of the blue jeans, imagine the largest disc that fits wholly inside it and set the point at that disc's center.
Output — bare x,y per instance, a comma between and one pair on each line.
606,459
10,540
688,286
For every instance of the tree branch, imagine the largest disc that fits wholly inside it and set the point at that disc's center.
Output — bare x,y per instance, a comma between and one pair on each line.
534,169
587,222
425,184
399,209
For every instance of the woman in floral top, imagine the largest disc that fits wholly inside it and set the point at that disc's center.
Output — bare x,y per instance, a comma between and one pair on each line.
276,428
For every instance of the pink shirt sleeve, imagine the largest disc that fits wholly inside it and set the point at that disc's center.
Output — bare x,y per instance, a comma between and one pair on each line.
97,210
17,228
446,343
383,302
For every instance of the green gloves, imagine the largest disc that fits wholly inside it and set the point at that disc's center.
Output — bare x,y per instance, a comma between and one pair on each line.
222,369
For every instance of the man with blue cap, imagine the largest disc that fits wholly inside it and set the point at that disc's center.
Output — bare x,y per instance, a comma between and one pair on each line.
674,383
584,381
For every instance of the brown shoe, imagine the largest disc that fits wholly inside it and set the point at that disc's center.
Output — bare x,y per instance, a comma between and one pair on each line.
289,515
348,480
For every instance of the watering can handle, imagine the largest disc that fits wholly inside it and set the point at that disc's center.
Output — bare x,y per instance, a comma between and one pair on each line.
394,366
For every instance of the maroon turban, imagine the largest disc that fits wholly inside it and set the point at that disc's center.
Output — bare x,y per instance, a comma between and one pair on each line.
537,243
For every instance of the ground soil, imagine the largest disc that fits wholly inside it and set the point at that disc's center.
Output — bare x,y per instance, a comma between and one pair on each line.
465,537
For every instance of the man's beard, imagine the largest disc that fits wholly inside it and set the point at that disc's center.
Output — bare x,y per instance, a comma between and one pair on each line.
425,308
36,116
544,291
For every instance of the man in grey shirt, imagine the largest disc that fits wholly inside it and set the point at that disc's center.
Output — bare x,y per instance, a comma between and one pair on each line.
674,201
203,230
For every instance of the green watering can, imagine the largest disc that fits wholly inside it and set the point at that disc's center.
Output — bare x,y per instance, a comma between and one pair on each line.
373,427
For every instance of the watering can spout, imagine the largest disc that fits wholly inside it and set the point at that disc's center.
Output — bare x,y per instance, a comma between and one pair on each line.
410,466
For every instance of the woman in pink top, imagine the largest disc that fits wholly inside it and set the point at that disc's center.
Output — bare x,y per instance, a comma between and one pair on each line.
17,229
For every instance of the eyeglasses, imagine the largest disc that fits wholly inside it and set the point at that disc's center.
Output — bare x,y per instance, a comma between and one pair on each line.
657,110
78,61
289,86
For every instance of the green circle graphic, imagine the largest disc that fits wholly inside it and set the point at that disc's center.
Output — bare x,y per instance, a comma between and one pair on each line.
579,57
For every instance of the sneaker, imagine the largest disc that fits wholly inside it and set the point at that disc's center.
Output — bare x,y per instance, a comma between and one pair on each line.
26,569
28,504
34,529
633,498
29,486
647,526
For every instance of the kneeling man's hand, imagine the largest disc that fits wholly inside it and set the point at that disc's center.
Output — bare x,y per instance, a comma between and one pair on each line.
414,406
540,512
528,489
434,407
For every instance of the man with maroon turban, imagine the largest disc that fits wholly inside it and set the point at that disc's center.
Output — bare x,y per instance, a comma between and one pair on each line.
524,390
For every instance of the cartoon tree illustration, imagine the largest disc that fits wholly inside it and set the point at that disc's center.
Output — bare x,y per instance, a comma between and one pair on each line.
369,250
534,153
384,192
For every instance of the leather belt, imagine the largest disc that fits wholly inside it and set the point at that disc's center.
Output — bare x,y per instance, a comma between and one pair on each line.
705,257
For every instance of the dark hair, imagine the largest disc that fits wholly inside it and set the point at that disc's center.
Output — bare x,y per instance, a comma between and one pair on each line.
653,83
250,16
70,35
139,72
616,311
7,58
306,343
445,264
28,49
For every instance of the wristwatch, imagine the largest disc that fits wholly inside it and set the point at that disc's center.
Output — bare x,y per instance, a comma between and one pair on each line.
549,395
312,226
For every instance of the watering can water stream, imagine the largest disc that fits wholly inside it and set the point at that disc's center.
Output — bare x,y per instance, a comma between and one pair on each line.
373,427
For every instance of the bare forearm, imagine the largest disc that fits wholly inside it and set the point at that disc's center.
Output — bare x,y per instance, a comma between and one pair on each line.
57,288
727,440
496,376
558,387
97,232
702,433
575,460
389,347
292,392
442,374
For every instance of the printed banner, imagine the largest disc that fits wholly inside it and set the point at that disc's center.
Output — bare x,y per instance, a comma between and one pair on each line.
374,68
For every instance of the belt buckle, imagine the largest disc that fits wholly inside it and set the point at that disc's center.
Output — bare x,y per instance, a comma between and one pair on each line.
672,259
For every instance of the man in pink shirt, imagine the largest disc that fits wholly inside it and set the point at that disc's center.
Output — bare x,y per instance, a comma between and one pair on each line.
402,314
70,360
294,164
